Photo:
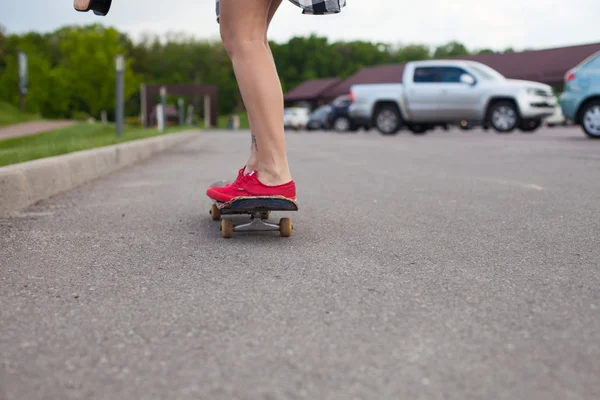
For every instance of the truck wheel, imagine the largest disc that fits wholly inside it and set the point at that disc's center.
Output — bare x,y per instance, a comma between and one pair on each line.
590,119
503,116
530,125
387,119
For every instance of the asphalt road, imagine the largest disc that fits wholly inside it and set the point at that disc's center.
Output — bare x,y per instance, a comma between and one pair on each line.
457,265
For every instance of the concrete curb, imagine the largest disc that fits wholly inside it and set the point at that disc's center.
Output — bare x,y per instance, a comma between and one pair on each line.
24,184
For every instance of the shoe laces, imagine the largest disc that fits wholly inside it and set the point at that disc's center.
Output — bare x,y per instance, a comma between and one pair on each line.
244,179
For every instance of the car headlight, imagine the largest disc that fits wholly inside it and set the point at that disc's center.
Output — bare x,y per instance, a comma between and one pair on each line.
537,92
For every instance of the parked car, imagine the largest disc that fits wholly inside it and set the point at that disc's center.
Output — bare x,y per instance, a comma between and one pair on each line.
295,117
339,118
439,92
318,118
580,101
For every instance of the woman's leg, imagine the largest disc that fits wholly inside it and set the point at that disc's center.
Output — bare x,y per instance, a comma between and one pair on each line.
244,30
253,161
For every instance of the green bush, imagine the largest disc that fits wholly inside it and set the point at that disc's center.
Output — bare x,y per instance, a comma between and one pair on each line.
80,116
133,121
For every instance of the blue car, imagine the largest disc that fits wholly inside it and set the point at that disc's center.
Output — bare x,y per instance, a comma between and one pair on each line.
580,101
339,118
318,118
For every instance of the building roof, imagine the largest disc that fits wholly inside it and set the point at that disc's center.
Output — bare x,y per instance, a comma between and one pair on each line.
378,74
547,66
310,89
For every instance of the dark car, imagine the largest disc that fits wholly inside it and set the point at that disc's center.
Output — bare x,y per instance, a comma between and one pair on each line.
339,120
318,118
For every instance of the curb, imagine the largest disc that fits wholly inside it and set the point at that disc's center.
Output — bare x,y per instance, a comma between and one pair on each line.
24,184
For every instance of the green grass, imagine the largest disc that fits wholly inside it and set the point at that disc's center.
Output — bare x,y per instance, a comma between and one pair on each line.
67,140
10,115
222,121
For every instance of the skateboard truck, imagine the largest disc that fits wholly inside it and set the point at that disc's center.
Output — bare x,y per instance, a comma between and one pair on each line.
99,7
256,224
259,210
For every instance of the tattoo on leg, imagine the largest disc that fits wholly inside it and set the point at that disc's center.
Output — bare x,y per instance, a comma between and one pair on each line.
254,142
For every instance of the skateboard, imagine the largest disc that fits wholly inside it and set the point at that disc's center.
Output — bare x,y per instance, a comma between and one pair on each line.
259,209
99,7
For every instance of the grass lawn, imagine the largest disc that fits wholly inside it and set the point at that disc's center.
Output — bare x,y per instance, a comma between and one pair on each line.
67,140
10,115
222,121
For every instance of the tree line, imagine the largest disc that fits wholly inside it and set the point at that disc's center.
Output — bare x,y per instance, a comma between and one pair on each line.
71,71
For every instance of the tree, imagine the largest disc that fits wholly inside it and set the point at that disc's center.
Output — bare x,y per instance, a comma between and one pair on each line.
451,49
48,89
88,58
413,52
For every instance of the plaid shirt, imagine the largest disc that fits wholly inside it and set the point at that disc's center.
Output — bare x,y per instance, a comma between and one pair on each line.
320,7
313,7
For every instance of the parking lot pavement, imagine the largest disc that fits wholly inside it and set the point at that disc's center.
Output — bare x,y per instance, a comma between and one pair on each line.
455,265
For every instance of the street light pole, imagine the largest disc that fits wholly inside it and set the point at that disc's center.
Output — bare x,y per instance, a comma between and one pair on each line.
163,103
120,70
22,79
181,111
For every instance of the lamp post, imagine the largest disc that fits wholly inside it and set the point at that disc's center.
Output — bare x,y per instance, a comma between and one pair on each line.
163,104
120,72
22,79
181,111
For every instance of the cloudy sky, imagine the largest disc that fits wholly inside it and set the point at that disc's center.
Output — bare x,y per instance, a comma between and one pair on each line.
477,23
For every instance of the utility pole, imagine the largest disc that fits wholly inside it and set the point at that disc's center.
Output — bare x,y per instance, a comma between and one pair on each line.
120,70
207,119
163,104
23,69
181,103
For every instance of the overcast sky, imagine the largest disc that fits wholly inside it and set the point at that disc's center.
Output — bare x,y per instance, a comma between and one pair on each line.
495,24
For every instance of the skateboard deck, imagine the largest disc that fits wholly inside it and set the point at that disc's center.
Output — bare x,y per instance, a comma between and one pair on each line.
99,7
259,209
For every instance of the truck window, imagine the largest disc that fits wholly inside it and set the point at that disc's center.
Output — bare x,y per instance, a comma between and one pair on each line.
452,74
426,75
485,72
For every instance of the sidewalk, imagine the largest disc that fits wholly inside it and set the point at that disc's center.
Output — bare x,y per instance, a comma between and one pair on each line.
32,128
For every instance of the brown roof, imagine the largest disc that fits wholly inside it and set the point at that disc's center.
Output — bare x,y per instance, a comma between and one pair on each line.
547,66
310,89
378,74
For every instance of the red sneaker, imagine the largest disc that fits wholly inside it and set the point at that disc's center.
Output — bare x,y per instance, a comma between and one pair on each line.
239,176
249,186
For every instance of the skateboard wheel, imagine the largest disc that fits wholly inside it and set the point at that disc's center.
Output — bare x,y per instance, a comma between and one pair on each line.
265,215
227,228
285,227
215,213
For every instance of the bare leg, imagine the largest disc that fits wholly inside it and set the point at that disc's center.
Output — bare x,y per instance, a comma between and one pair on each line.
252,161
243,30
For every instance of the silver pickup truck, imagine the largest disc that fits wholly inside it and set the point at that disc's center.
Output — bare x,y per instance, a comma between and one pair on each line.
443,92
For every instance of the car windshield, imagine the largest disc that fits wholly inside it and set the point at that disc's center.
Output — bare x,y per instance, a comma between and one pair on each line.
592,61
341,101
320,112
485,72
